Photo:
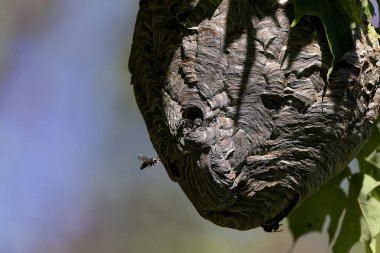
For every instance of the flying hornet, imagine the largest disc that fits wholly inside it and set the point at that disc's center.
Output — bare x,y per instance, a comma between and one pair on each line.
148,162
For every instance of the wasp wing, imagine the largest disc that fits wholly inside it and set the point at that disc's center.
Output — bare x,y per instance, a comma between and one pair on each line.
143,158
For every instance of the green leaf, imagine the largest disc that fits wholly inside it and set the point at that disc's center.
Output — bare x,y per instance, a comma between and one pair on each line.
350,230
368,10
311,215
371,8
368,199
366,239
374,158
369,203
336,19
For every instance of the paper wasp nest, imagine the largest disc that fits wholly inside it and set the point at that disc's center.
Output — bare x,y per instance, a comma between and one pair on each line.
238,107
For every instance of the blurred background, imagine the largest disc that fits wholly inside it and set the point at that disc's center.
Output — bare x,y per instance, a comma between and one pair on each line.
69,135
